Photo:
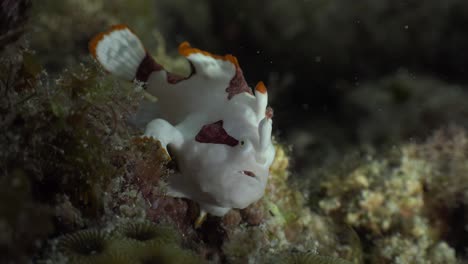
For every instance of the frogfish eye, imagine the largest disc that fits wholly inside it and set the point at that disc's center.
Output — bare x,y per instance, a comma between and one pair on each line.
249,173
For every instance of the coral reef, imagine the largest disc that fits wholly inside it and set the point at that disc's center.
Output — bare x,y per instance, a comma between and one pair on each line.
77,179
408,205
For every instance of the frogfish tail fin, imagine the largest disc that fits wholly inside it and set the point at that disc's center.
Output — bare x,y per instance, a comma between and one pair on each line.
121,53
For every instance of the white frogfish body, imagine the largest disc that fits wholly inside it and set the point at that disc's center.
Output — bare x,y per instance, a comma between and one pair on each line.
215,127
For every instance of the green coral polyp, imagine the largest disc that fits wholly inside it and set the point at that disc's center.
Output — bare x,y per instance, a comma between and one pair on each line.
85,245
147,232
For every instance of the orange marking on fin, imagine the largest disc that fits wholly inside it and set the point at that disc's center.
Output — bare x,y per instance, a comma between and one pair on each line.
185,50
96,39
261,87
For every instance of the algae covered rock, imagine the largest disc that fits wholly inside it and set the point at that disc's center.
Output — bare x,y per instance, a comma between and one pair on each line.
57,140
408,205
